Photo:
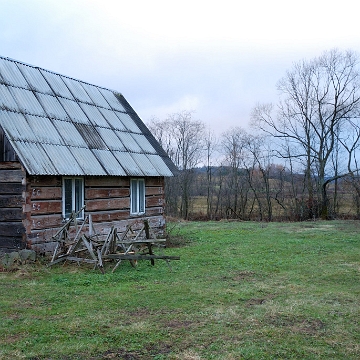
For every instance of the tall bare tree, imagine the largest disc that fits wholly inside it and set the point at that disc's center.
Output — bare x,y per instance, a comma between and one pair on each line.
319,102
182,138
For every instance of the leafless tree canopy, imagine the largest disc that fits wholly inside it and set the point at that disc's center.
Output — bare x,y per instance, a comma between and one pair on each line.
316,118
296,163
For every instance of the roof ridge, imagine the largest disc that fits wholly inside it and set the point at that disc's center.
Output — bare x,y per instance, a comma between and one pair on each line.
56,73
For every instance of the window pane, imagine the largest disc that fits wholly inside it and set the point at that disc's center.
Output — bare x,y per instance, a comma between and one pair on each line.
67,197
134,197
141,196
78,195
73,196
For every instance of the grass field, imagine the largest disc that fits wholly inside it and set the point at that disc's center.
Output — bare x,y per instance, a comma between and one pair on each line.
241,290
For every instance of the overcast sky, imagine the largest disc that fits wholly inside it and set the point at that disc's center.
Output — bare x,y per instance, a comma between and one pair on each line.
217,58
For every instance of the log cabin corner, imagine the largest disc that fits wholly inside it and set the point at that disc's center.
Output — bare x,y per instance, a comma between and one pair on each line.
65,144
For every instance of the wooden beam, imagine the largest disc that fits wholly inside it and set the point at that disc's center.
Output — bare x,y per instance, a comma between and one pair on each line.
11,176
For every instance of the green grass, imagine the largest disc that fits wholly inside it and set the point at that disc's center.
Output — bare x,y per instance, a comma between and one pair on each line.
240,291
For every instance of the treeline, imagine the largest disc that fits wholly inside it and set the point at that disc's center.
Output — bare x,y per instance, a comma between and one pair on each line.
298,162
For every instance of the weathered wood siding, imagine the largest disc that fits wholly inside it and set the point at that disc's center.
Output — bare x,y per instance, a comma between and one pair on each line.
12,186
107,199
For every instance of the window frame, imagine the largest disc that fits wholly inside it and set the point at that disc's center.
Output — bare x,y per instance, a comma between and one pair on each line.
137,196
74,199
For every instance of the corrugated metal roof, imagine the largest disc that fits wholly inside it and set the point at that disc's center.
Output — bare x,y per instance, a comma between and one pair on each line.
112,119
44,130
57,84
94,115
62,126
111,99
27,102
76,90
11,75
145,165
52,107
7,101
35,79
128,163
95,95
69,133
109,161
28,151
129,142
74,111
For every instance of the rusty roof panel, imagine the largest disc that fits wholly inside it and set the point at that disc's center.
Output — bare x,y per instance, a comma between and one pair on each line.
11,75
109,162
35,79
145,165
27,102
57,84
77,90
95,95
111,99
74,111
6,99
52,107
128,163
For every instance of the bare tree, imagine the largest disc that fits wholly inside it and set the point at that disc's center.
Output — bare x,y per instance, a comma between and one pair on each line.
318,101
183,140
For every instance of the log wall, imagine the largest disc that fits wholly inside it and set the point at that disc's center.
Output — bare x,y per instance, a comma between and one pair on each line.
107,200
12,201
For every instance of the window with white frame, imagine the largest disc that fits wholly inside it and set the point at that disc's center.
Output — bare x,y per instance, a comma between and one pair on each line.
73,196
137,196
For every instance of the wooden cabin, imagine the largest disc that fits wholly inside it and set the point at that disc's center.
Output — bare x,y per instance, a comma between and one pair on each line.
65,144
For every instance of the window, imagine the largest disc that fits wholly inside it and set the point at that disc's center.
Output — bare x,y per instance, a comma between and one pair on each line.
73,196
137,196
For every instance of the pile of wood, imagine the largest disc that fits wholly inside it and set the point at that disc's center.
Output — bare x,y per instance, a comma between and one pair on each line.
94,249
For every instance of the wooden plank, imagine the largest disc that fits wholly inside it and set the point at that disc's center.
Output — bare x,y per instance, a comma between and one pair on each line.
154,211
46,221
11,242
11,176
46,192
109,181
154,190
46,207
152,201
154,181
45,180
12,188
7,165
11,229
7,214
112,215
107,204
101,193
11,201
